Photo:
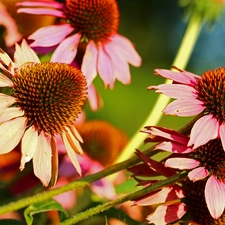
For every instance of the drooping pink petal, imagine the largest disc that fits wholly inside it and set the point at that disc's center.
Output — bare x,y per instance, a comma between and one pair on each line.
164,195
198,174
181,163
94,98
105,67
166,214
42,160
28,146
184,107
222,134
5,81
67,49
89,63
206,128
10,113
52,4
43,11
180,77
214,196
11,133
50,35
25,54
173,147
123,46
178,91
6,101
71,153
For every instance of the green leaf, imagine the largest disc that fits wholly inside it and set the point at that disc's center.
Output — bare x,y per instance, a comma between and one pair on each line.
11,222
40,207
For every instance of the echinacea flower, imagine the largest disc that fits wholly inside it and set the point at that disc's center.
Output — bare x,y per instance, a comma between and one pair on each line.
194,95
93,24
206,162
46,100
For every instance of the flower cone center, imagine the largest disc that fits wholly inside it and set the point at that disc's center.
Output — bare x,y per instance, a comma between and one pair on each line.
212,157
96,20
50,94
211,91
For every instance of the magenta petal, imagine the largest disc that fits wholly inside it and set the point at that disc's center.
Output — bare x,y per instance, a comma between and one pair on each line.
67,49
222,134
52,4
198,174
94,98
204,129
184,107
181,163
215,196
105,67
180,77
89,63
173,147
50,35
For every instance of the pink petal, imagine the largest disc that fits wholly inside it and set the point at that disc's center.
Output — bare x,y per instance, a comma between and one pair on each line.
198,174
222,134
42,160
178,91
43,11
89,63
173,147
67,49
214,196
10,113
181,163
25,54
184,107
123,46
166,214
50,35
94,98
52,4
28,146
6,101
5,81
71,153
11,133
206,128
105,67
164,195
180,77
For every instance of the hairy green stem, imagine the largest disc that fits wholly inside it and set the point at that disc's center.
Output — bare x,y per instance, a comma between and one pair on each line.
184,53
131,196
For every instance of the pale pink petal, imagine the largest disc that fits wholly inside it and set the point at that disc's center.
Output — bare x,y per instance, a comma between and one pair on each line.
94,98
179,91
214,196
206,128
42,160
10,113
222,134
71,153
6,101
180,77
105,67
44,11
25,54
184,107
166,214
4,57
50,35
5,81
52,4
181,163
164,195
198,174
11,133
89,63
123,46
28,146
67,49
173,147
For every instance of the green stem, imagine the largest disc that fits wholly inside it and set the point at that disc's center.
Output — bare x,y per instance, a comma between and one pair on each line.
184,53
105,206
